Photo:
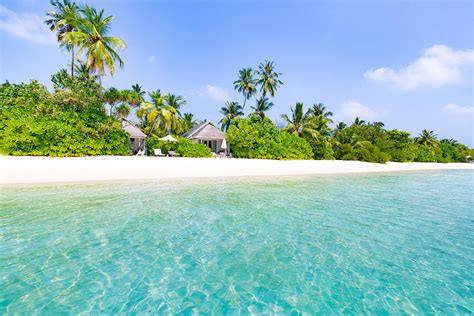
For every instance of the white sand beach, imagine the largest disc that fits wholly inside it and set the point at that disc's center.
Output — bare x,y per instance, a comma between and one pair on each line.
28,170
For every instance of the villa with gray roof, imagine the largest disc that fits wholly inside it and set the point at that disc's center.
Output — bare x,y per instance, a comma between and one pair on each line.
206,133
136,136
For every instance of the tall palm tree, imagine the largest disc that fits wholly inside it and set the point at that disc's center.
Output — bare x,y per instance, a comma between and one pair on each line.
63,21
268,78
100,49
112,97
263,105
230,110
319,109
358,122
300,122
427,138
246,84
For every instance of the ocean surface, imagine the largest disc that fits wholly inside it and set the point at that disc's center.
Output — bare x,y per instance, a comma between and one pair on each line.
400,243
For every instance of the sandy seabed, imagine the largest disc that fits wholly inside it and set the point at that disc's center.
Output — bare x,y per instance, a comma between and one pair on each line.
16,170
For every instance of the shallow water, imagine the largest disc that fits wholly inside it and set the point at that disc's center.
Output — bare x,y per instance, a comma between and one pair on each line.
396,243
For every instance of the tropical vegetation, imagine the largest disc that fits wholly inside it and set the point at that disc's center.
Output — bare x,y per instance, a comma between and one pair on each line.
81,117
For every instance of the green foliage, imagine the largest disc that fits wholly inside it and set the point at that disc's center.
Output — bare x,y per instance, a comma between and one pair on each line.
366,151
321,147
255,137
36,122
184,147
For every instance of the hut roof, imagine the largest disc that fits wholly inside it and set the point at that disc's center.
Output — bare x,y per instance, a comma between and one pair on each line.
205,130
132,130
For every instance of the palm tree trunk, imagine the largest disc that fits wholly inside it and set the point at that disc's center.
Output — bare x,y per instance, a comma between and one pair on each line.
243,107
72,61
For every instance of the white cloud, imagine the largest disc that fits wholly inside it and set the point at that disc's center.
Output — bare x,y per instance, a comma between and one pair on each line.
215,93
438,66
151,59
26,26
458,110
351,110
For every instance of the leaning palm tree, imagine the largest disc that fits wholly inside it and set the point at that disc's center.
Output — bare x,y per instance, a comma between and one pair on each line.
319,109
231,110
63,21
358,122
300,122
100,49
263,105
268,78
246,84
427,138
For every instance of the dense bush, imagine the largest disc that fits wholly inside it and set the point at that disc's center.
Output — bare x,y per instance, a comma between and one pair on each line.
255,137
372,143
69,122
184,147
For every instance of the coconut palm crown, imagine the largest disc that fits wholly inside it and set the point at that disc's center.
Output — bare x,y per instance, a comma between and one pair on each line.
231,110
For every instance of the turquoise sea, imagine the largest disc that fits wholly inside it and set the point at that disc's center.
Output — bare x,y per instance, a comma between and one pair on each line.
400,243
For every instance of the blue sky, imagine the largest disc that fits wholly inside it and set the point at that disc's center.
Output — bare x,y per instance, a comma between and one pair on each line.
409,64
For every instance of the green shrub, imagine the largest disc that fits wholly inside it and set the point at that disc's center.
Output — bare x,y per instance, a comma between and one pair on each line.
184,147
365,151
36,122
255,137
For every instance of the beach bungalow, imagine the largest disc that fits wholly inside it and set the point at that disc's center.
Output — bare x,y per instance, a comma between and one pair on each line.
206,133
136,136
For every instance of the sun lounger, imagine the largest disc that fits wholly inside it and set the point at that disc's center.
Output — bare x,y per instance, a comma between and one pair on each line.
159,153
172,154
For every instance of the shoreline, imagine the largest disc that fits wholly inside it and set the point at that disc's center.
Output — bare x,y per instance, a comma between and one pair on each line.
45,170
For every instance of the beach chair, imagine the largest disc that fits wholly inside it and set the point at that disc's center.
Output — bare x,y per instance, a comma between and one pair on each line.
172,154
158,152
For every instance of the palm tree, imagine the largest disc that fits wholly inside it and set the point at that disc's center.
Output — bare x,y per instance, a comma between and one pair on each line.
231,110
189,121
378,124
358,122
300,122
263,105
63,21
157,112
268,78
340,126
427,138
82,72
319,109
449,141
122,111
112,97
92,38
246,84
174,101
138,90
